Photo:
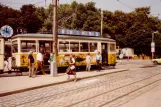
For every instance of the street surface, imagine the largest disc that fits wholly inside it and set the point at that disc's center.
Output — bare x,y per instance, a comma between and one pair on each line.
127,89
150,98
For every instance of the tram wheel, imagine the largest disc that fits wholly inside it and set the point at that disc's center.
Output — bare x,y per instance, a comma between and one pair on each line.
1,71
9,71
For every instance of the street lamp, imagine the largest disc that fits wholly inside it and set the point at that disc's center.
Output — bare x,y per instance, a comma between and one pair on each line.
153,44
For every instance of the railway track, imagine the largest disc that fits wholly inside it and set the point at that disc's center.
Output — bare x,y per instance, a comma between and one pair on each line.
100,91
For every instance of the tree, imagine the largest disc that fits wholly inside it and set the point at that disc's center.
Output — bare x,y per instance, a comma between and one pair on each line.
9,17
31,22
75,16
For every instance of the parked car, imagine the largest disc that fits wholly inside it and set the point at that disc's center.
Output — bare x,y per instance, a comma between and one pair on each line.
156,61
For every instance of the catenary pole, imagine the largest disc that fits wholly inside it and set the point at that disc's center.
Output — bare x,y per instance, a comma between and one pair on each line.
55,36
101,22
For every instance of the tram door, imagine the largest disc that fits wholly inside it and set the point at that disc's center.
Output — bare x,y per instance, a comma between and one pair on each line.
46,48
7,55
104,48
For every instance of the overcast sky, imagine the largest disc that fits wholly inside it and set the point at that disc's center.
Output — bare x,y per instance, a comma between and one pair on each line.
111,5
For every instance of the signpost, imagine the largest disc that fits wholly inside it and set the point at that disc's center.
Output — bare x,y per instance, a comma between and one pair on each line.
152,49
153,44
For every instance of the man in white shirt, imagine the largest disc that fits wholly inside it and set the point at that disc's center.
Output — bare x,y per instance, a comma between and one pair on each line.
40,62
98,60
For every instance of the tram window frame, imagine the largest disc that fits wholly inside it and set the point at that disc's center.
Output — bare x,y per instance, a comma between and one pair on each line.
65,48
29,45
93,48
14,46
84,48
75,48
112,47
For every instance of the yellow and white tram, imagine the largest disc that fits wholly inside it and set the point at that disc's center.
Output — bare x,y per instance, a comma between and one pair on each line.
1,53
67,44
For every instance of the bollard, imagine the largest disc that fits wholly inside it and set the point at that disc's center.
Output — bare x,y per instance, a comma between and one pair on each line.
53,69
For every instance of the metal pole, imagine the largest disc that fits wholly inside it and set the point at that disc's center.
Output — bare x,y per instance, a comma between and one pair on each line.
152,37
101,22
55,37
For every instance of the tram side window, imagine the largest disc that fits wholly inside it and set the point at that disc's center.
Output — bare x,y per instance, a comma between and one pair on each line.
93,47
74,46
84,47
112,48
14,46
26,46
63,46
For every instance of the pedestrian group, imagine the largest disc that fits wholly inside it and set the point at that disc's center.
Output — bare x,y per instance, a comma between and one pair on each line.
71,70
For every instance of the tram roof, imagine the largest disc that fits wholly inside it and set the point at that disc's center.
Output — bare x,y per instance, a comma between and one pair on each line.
62,37
1,36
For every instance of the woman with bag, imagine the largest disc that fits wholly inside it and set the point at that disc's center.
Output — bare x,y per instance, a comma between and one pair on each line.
71,70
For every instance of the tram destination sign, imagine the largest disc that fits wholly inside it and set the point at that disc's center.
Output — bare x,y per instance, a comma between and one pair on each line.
77,32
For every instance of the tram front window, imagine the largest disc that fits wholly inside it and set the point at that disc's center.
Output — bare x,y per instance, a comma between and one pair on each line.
14,46
112,48
26,46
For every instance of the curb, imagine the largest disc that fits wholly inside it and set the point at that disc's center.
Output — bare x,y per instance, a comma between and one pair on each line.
50,84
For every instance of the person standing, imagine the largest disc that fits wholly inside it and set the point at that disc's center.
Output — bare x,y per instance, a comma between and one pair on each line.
88,62
40,63
71,70
31,64
98,60
121,57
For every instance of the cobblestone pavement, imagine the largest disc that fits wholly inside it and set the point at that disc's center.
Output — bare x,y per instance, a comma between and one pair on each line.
108,91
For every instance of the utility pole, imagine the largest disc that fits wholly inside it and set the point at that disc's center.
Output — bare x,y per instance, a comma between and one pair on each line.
101,22
55,39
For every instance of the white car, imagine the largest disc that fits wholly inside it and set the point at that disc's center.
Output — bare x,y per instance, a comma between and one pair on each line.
156,61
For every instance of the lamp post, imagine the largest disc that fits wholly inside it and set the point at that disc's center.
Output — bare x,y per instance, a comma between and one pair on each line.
153,44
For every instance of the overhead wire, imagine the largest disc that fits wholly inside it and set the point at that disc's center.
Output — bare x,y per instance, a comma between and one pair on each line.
64,19
125,5
20,3
134,8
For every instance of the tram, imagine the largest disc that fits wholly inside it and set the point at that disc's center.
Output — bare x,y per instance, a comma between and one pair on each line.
79,46
1,53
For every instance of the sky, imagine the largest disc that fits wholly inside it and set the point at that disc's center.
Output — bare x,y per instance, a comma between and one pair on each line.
111,5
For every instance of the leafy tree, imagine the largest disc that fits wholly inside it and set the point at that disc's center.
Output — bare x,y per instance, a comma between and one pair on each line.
9,16
31,21
133,29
